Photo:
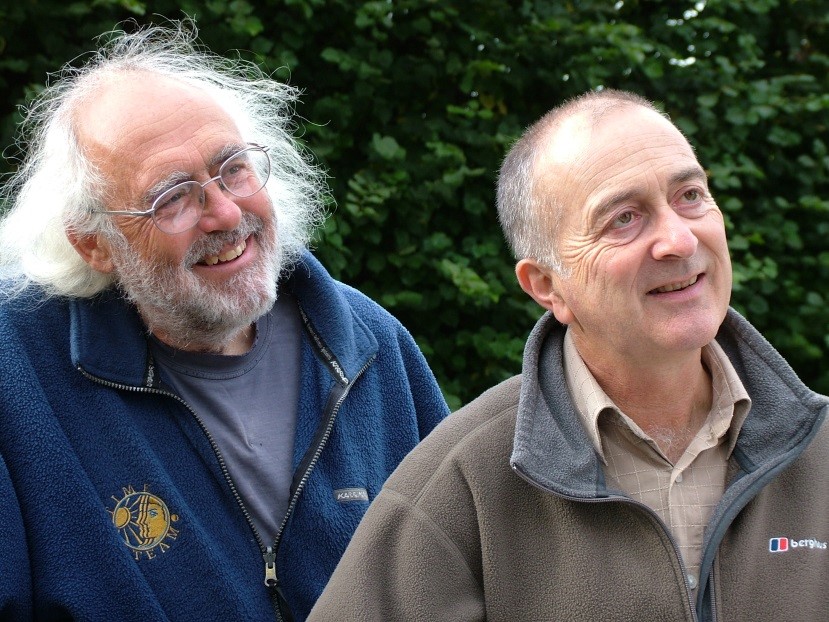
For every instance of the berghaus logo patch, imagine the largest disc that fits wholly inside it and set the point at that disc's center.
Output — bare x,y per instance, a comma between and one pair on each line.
783,545
346,495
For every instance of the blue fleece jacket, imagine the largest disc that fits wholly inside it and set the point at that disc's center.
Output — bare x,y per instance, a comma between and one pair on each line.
117,504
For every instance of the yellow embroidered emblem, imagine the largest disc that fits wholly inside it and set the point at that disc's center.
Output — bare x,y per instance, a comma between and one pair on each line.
144,521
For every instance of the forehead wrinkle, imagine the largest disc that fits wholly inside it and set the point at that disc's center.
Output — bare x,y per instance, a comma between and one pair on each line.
608,202
600,204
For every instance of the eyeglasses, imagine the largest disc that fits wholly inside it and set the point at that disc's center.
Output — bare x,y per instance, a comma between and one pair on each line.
179,209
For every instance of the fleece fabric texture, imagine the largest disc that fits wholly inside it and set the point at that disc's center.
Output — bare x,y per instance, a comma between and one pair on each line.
503,514
116,503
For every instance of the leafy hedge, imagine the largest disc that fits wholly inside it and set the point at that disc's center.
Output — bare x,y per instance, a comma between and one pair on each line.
411,105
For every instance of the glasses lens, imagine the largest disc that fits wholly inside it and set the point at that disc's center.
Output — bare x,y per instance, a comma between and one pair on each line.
246,172
179,208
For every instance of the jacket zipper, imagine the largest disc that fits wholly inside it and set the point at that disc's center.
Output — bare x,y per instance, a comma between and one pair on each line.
268,552
343,385
214,447
271,577
634,503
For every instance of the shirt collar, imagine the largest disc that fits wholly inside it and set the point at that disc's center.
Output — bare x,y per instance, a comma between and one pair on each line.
729,407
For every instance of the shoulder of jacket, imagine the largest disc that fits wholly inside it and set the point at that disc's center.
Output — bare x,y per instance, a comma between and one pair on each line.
480,432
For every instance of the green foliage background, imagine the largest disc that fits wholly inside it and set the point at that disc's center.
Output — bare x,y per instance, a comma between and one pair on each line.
411,104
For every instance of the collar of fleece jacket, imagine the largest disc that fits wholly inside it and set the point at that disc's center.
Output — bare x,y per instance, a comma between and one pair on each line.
554,450
100,322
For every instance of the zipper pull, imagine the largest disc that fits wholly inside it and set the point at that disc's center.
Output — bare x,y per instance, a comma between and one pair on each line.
270,568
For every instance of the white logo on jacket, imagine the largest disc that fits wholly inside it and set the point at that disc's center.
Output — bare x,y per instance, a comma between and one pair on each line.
783,544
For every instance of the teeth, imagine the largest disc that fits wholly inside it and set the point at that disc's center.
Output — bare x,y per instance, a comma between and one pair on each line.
233,253
673,288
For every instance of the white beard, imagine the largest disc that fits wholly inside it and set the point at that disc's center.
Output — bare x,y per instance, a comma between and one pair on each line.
199,315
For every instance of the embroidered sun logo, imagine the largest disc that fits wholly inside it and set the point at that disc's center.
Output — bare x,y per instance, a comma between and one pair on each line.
144,522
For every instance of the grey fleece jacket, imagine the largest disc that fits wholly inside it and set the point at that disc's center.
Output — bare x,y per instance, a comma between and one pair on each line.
503,514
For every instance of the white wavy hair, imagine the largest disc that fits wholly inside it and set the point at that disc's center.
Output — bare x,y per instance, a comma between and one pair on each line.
57,188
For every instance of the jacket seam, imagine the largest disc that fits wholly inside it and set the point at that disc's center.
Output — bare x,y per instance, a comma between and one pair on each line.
416,511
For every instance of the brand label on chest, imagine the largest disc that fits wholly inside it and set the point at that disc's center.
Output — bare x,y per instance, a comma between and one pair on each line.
346,495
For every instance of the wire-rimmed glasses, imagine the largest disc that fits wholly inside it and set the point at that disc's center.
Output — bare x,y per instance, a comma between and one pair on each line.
179,208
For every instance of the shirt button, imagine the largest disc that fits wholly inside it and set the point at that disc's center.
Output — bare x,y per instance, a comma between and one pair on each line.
678,479
692,582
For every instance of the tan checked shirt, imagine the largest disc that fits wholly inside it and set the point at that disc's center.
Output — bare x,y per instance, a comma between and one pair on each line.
682,494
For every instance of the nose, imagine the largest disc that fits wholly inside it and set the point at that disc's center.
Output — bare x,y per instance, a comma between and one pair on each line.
674,237
221,212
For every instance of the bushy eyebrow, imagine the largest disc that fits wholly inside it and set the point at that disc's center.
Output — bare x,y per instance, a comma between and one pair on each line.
689,174
159,188
225,153
177,177
607,204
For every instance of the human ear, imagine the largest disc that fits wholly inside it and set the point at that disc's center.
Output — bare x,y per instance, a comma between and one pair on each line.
545,287
93,249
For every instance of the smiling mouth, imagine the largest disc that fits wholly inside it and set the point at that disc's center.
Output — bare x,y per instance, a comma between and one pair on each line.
674,287
233,253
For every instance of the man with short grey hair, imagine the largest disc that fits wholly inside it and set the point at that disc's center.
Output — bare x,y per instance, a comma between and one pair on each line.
656,460
194,415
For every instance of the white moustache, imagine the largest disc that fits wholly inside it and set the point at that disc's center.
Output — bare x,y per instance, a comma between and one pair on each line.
212,244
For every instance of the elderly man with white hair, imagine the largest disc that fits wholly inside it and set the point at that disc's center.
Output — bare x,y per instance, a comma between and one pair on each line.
194,415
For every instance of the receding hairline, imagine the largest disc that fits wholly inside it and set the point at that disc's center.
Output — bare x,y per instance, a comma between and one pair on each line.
587,112
112,85
592,106
524,214
100,113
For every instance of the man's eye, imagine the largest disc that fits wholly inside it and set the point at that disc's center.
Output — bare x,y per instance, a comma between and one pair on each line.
625,218
692,196
235,167
174,198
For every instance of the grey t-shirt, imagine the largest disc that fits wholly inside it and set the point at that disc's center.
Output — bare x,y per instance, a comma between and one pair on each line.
248,403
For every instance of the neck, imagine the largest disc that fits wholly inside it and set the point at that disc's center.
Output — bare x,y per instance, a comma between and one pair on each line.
239,343
242,342
669,400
